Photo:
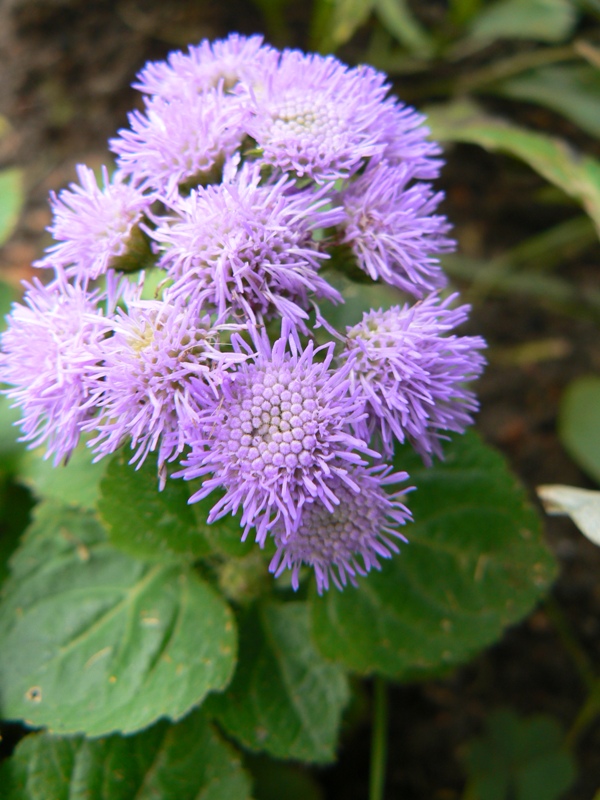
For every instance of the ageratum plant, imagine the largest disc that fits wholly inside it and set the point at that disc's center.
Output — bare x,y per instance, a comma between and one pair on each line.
193,337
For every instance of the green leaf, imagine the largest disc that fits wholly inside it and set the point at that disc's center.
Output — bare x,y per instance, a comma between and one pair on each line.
94,641
570,89
8,295
187,761
346,17
475,563
76,483
284,698
519,759
398,19
579,424
577,175
147,523
274,780
11,201
15,509
582,505
541,20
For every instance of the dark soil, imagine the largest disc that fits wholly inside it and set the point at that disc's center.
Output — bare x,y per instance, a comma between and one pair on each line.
68,65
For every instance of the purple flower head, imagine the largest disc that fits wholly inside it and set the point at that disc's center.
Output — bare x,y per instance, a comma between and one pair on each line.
276,436
48,353
144,385
243,247
410,373
407,142
95,227
393,231
225,62
348,540
317,117
182,140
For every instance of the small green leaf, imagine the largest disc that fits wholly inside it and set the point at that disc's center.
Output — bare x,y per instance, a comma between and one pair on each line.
579,424
94,641
76,483
147,523
519,759
577,175
475,563
284,698
571,90
187,761
11,201
540,20
582,505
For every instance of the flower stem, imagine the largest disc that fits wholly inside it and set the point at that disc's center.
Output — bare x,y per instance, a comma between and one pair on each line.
379,739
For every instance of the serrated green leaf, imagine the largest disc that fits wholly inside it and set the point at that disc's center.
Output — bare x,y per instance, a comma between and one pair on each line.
577,175
76,483
95,641
144,522
186,761
579,424
475,563
519,759
11,201
570,89
285,698
540,20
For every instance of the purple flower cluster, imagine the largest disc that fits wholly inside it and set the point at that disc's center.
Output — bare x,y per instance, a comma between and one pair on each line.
250,178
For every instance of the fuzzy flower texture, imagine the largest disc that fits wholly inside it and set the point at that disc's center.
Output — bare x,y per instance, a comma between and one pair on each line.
190,313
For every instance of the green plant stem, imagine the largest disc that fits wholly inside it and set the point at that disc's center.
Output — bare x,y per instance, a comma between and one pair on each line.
587,714
571,645
379,739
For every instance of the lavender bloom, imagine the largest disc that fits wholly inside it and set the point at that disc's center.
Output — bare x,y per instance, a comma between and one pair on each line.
183,140
225,62
392,229
411,374
406,141
276,437
95,228
48,353
348,540
246,248
144,385
316,117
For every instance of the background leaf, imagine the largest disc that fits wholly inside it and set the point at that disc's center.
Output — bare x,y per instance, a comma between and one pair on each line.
284,698
11,201
541,20
518,759
582,505
570,89
577,175
144,522
187,761
95,641
475,563
579,424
